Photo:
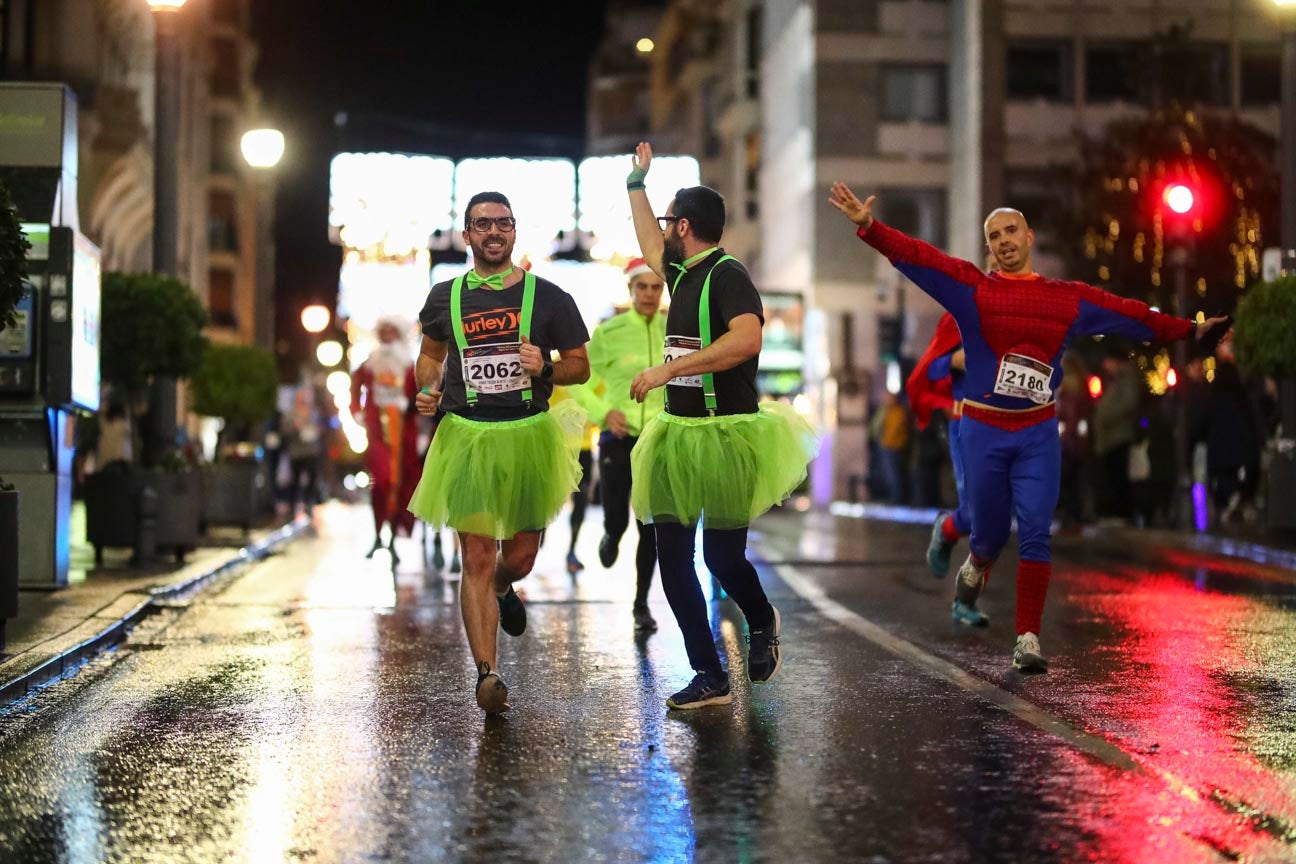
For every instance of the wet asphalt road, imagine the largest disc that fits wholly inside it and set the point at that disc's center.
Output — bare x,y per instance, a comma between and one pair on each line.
314,708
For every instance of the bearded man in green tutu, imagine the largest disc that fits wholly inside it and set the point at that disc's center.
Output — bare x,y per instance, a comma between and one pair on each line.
717,455
502,464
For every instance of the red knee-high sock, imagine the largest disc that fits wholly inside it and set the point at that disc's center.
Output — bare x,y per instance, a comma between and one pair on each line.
949,533
1032,585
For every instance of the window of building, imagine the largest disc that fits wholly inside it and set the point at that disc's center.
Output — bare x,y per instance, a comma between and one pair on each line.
220,298
1198,73
917,212
914,93
1112,72
223,159
755,19
1041,70
225,67
222,222
1261,75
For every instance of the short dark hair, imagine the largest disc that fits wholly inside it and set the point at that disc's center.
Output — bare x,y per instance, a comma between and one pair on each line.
704,208
485,198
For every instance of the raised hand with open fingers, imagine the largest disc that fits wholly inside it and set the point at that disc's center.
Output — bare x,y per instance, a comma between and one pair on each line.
859,212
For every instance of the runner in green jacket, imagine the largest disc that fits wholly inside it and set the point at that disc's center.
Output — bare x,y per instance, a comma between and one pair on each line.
621,348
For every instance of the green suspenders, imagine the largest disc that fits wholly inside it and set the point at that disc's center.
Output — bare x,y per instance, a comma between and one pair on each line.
524,326
704,329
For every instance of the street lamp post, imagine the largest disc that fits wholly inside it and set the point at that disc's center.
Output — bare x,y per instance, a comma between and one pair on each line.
1287,160
262,150
166,126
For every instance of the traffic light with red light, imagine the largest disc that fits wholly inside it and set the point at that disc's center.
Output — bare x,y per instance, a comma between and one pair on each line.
1179,198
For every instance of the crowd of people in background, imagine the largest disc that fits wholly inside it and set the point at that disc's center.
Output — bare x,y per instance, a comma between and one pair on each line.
1120,456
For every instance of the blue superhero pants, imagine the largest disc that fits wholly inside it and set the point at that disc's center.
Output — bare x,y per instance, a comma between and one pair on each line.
1011,474
962,519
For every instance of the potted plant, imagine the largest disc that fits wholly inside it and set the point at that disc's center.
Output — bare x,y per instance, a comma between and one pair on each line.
151,327
238,384
1265,343
13,287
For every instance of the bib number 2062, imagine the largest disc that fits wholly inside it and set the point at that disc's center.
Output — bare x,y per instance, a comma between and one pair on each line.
495,368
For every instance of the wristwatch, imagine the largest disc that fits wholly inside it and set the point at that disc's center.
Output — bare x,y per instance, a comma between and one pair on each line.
546,373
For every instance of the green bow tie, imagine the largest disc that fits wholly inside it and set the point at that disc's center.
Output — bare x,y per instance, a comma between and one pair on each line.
496,281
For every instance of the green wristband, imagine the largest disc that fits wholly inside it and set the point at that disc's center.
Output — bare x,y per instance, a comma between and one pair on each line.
636,187
637,175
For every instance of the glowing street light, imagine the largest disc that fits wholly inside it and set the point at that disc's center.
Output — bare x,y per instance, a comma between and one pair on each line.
329,353
262,148
1178,198
645,46
166,5
315,318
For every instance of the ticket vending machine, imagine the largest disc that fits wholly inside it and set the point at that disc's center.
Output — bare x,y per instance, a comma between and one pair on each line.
49,362
49,369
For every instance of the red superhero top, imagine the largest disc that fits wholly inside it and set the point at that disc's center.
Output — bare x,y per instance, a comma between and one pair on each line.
928,392
1015,329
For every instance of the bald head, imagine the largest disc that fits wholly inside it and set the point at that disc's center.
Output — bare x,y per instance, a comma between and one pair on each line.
1009,240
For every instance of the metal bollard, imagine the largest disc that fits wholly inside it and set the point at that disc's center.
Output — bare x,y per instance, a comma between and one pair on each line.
146,513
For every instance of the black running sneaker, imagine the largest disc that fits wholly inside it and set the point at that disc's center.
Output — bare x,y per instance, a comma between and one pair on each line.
643,620
492,692
702,691
607,551
512,613
764,656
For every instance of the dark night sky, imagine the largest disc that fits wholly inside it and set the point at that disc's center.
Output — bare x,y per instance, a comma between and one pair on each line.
450,78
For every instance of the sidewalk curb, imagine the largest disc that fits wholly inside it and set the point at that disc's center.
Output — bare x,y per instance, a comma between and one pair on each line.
1211,544
100,632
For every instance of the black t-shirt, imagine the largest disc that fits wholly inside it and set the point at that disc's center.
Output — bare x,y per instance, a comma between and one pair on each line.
732,294
492,317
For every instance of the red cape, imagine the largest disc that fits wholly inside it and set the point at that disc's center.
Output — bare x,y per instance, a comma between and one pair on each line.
926,396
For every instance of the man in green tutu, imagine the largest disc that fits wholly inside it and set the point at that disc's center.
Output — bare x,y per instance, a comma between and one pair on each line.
716,455
502,464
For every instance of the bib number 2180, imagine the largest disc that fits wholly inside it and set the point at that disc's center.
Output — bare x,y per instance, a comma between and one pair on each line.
1024,378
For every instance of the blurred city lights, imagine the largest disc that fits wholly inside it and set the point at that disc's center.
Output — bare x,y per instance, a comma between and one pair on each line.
338,383
1178,198
166,5
315,318
605,209
1171,378
329,353
645,46
1095,386
362,480
387,205
262,148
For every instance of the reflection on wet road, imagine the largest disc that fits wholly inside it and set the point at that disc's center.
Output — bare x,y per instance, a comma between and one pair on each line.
316,709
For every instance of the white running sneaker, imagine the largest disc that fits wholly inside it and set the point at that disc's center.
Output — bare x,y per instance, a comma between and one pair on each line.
1027,656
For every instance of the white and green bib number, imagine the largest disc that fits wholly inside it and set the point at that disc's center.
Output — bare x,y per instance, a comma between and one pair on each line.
497,367
682,346
1024,378
682,349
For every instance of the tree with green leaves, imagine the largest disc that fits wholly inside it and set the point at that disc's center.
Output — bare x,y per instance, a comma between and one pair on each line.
150,326
238,383
13,260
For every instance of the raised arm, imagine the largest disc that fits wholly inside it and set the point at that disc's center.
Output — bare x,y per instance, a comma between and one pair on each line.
950,281
1104,314
647,230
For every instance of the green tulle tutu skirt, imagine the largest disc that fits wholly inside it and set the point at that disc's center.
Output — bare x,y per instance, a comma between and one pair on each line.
722,471
498,479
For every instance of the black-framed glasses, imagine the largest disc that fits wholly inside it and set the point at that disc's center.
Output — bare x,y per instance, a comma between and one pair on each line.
482,224
667,220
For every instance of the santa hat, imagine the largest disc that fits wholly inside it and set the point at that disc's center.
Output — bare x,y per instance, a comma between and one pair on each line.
636,267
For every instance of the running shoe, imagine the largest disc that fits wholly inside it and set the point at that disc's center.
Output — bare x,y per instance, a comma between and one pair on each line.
374,548
512,613
607,551
492,692
702,691
1027,656
644,621
764,656
574,564
438,556
967,588
455,566
939,549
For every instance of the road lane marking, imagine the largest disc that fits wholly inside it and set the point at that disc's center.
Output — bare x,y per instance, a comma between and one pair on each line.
1094,745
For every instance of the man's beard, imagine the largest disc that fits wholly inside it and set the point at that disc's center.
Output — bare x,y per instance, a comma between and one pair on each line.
481,253
672,252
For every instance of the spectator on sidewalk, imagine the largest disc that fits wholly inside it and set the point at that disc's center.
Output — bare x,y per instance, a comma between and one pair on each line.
115,443
1115,426
1231,430
890,428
